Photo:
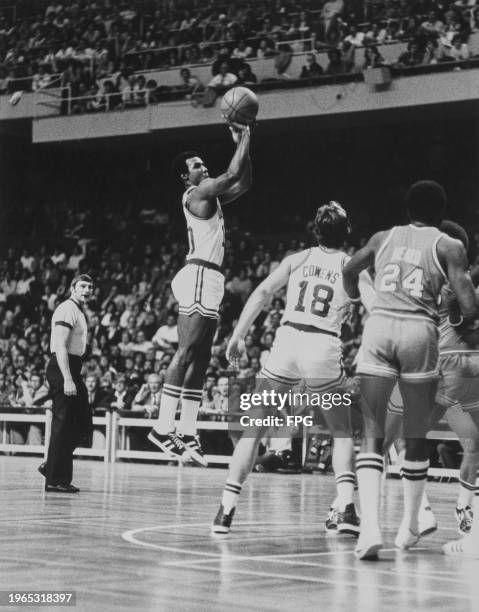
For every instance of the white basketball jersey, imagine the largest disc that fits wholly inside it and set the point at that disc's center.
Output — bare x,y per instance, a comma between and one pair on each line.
206,237
315,295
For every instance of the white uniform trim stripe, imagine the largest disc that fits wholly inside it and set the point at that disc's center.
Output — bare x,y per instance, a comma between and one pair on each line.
385,243
287,381
369,368
459,351
327,386
197,308
398,315
303,261
197,282
420,374
436,258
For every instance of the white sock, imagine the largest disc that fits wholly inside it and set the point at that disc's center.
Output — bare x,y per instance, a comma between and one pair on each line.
414,475
474,535
230,496
425,501
170,398
345,482
190,405
466,494
369,469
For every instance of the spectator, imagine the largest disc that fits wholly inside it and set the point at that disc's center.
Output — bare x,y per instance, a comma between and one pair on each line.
223,81
458,51
336,64
246,76
240,285
141,344
411,57
23,285
376,35
34,393
266,49
98,399
166,338
190,84
372,58
312,68
122,396
242,51
354,37
147,400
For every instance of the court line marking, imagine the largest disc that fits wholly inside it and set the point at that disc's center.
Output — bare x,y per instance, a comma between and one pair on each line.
362,567
336,582
130,536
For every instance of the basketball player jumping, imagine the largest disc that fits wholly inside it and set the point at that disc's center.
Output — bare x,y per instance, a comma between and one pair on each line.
199,288
307,347
400,340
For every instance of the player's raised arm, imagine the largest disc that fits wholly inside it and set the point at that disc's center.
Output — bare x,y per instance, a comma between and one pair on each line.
246,179
452,256
359,262
253,307
211,188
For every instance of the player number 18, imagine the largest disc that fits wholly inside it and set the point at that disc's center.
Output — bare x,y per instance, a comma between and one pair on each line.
321,302
412,282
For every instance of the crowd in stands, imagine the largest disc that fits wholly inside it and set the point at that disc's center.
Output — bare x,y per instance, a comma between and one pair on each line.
95,48
132,315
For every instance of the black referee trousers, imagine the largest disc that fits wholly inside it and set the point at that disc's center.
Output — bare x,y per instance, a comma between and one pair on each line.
71,421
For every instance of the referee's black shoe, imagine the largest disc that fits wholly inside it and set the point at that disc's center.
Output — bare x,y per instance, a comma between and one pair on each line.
61,488
42,468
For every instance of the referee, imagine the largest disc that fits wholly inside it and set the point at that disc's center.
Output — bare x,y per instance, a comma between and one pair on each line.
72,420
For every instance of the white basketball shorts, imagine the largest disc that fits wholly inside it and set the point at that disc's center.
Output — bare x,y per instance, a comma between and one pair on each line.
198,289
314,357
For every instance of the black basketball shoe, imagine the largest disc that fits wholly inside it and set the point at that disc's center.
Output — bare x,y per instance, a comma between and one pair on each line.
170,443
348,521
222,522
193,449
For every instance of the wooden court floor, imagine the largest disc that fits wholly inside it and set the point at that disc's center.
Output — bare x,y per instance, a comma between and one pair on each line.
137,538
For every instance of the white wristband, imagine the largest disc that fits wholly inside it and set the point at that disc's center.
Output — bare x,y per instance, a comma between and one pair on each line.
460,322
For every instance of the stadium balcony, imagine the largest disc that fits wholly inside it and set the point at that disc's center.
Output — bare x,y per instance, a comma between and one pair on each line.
331,96
319,99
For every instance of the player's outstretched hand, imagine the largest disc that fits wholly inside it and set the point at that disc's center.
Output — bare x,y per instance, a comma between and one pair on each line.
237,130
235,350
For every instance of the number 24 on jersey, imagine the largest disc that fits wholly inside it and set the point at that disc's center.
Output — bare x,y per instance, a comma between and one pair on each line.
391,280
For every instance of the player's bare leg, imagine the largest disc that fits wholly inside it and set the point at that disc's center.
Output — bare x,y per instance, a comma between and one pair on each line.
418,405
244,456
469,545
338,420
375,394
394,435
184,381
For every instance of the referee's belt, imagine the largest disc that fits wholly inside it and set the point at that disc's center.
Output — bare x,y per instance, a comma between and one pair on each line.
310,328
205,264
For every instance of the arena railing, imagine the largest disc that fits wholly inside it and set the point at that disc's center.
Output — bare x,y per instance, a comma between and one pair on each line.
43,416
274,83
113,427
120,441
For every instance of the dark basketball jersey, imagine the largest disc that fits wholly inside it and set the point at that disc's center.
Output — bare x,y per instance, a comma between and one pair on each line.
409,276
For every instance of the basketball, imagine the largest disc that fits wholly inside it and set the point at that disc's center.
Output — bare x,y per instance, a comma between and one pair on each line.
240,105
